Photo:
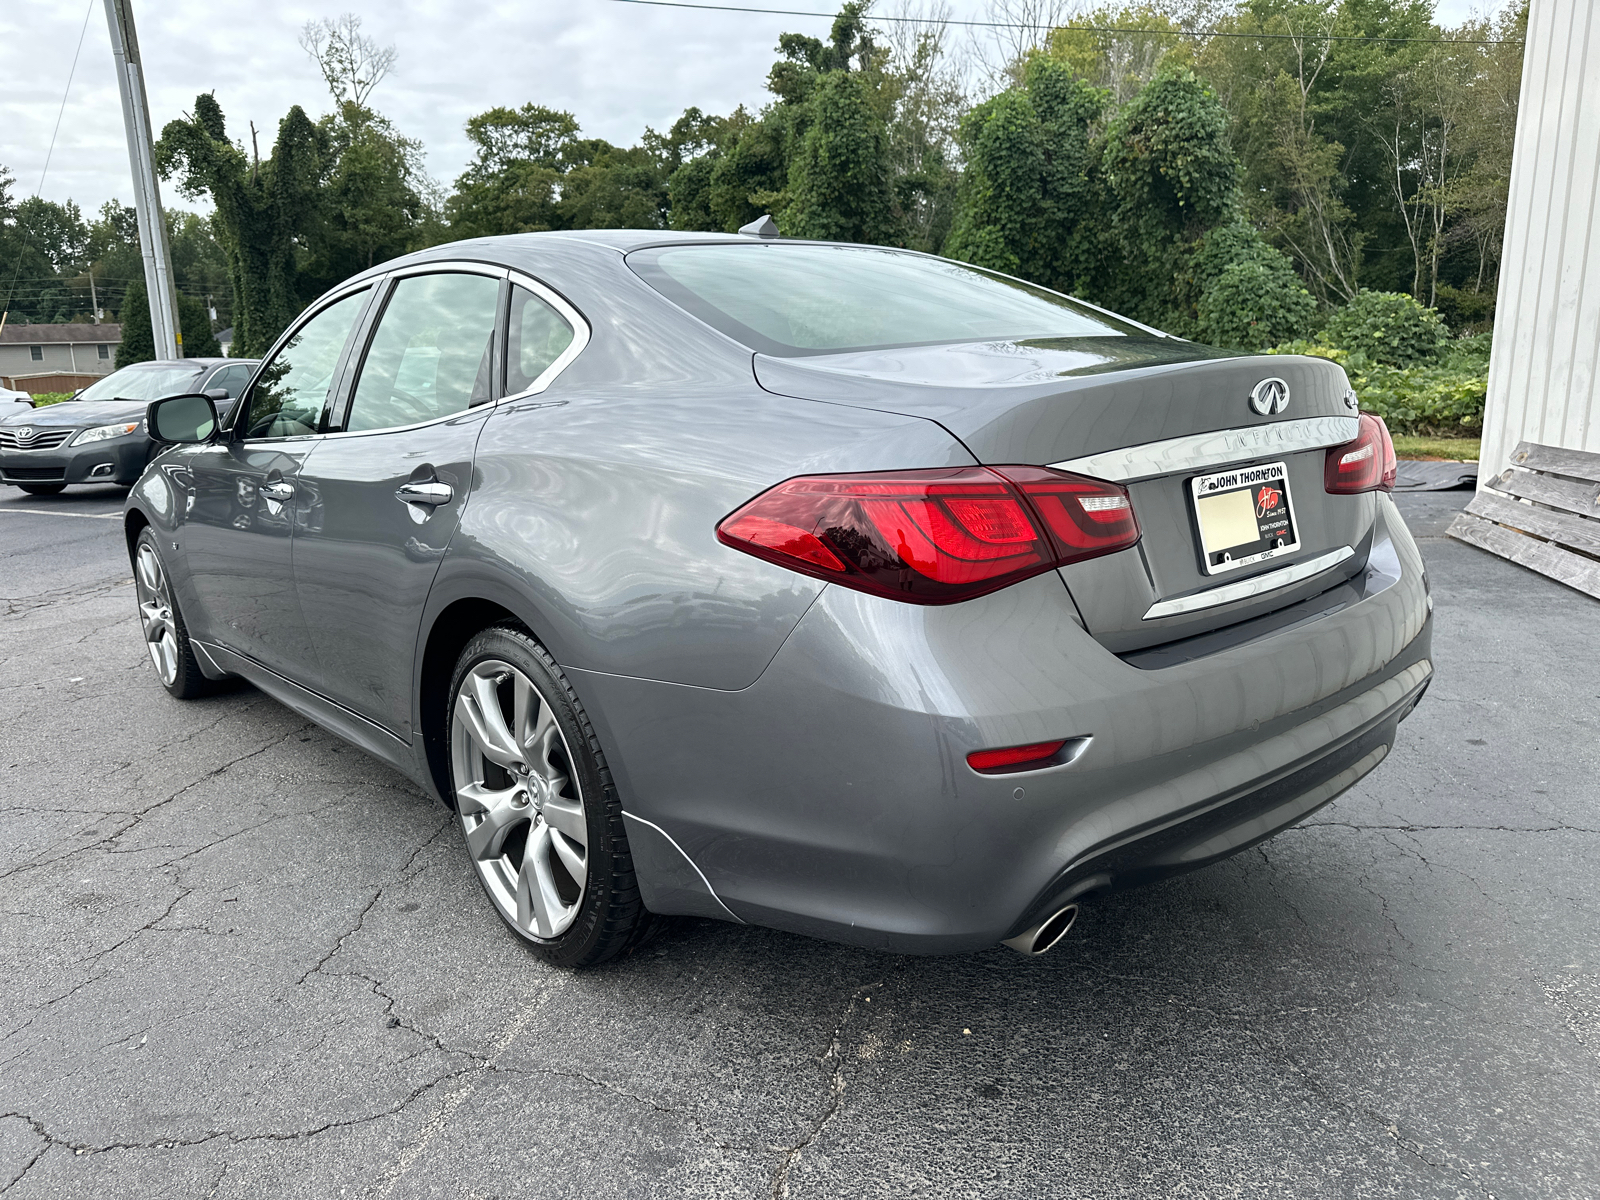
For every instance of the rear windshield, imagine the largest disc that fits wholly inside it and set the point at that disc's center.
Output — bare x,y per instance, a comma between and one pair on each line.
144,383
794,299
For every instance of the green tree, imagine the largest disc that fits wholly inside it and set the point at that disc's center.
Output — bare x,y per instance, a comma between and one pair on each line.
138,338
839,186
263,210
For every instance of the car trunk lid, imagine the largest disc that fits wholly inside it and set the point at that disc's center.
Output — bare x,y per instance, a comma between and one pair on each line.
1154,414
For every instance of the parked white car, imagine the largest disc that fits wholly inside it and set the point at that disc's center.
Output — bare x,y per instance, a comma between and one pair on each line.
7,396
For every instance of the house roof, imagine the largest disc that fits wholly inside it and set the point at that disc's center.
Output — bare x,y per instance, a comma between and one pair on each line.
34,335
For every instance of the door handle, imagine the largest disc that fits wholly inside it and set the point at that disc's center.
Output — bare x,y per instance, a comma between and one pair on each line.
430,494
277,490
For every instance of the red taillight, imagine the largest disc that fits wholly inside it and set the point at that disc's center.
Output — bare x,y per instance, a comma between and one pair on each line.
1014,758
1367,464
934,536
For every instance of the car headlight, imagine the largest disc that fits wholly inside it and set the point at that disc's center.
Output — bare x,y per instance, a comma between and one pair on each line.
101,433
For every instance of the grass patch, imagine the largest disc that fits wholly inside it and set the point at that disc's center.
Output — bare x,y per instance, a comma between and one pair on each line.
1435,448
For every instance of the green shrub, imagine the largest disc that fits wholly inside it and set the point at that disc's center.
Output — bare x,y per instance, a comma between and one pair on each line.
1389,328
40,399
1438,399
1255,304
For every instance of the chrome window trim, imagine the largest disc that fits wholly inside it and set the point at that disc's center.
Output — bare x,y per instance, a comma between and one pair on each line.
1243,589
580,335
1217,448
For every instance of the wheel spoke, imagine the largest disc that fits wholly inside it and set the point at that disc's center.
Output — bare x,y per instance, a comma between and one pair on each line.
572,855
499,813
478,707
149,569
539,905
567,816
542,737
154,619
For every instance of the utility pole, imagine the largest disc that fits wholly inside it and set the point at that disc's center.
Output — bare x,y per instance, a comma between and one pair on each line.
146,197
94,297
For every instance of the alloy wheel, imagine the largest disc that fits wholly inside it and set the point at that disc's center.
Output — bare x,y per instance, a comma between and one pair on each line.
155,613
518,799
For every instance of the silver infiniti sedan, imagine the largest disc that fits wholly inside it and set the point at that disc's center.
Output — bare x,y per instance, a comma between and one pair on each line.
838,589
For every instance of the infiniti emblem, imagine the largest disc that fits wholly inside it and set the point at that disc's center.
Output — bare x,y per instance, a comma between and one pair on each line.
1269,396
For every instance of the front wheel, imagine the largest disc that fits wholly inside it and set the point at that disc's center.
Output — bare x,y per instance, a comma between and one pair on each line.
165,636
536,805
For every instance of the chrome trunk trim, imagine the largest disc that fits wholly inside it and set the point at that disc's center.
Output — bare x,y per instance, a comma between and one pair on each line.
1243,589
1217,448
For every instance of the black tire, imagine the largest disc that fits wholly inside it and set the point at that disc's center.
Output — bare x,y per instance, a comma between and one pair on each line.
42,489
186,681
611,918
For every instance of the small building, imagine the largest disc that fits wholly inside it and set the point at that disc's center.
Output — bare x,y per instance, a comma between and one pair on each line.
225,340
56,358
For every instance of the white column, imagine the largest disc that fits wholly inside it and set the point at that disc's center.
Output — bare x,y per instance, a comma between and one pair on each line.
1546,360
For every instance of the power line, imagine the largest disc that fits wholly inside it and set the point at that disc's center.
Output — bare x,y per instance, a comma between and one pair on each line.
54,133
1287,37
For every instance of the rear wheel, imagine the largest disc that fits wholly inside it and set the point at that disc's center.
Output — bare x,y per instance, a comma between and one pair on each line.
42,489
165,636
535,802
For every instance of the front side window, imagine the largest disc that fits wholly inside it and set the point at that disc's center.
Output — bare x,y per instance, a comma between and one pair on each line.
432,354
230,380
535,338
288,398
808,299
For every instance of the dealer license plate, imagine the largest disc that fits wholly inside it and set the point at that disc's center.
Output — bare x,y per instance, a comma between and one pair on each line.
1244,516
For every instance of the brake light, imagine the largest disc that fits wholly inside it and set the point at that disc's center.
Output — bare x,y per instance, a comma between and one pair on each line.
933,536
1367,464
1014,758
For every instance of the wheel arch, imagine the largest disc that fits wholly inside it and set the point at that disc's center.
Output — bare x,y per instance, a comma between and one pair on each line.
442,640
133,524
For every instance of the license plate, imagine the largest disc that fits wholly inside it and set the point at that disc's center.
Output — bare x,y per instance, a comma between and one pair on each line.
1244,516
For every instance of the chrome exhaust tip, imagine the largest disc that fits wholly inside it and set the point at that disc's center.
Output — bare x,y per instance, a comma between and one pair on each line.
1046,933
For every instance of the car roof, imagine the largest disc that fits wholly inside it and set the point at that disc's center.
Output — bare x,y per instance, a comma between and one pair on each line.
199,364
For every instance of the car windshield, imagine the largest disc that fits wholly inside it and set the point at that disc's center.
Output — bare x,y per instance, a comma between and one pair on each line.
144,383
795,299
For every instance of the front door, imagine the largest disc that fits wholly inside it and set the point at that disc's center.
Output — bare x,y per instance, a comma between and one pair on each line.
246,501
391,484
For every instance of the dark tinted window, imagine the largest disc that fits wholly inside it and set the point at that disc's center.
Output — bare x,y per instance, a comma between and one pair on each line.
432,354
288,397
536,337
805,299
231,379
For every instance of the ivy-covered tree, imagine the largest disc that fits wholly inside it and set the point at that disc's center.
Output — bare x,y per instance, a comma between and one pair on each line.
839,186
263,209
1029,197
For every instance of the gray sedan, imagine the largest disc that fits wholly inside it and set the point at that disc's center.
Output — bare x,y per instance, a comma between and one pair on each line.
838,589
98,436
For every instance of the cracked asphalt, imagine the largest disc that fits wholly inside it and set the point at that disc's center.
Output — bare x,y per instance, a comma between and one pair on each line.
240,959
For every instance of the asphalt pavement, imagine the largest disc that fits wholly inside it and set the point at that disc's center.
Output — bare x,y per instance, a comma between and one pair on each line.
240,959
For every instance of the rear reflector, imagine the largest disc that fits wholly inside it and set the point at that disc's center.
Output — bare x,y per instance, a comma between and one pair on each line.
1014,758
933,536
1367,464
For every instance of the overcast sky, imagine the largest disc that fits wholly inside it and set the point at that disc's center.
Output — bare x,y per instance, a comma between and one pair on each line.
618,67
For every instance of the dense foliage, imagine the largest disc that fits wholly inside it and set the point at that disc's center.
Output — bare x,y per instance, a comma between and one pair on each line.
1334,170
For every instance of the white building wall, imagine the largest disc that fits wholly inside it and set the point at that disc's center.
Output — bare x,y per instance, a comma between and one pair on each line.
1546,361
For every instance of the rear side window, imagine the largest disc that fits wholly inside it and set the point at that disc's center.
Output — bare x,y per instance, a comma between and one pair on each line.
432,354
230,379
536,337
288,397
795,299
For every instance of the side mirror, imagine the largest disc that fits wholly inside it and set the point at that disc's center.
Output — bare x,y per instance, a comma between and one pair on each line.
182,420
217,393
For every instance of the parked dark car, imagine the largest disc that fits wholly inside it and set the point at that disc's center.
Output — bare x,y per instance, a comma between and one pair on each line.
844,590
98,436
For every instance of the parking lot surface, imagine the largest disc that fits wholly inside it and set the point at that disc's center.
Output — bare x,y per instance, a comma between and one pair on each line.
240,959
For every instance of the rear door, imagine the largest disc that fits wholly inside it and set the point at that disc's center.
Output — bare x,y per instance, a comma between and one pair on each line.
391,480
245,502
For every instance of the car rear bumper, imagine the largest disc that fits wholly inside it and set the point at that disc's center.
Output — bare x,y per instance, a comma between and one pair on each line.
120,460
832,797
